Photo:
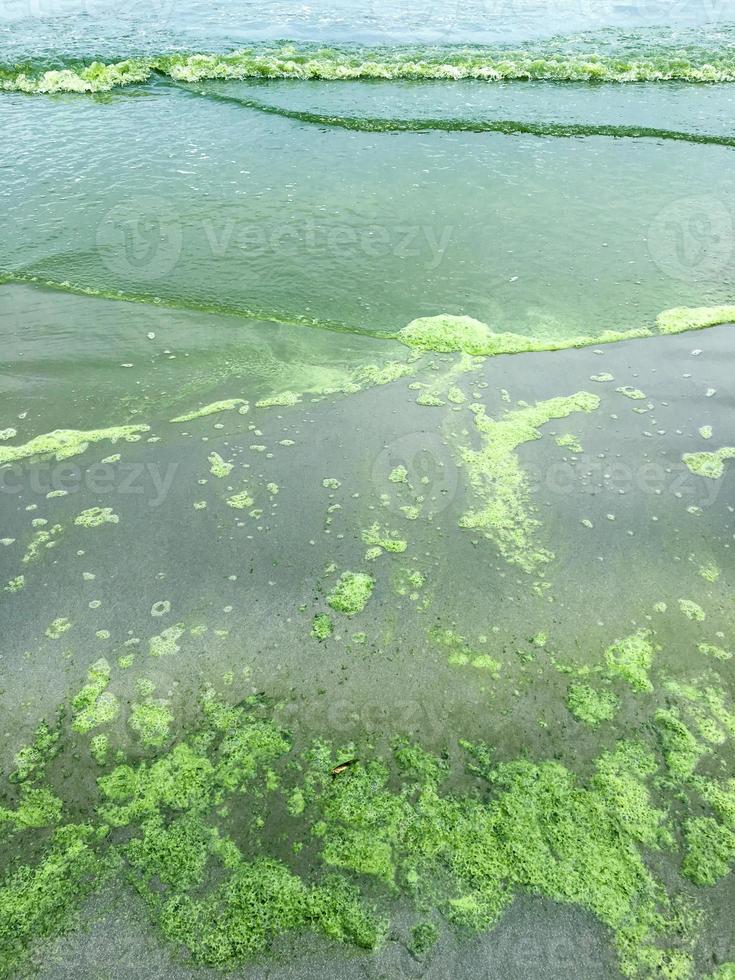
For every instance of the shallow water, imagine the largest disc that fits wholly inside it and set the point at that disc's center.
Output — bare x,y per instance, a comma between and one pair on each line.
265,487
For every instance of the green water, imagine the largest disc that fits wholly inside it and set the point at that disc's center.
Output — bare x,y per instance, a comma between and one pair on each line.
341,385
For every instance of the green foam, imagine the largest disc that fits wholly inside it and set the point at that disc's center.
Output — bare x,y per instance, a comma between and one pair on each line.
64,443
214,408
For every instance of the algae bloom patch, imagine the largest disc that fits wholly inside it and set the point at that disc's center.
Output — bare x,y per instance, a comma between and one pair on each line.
352,592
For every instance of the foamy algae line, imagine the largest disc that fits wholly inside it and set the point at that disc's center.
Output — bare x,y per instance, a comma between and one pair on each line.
292,61
63,443
443,333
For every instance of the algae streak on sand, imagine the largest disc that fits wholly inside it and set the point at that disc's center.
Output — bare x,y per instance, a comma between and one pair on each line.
496,476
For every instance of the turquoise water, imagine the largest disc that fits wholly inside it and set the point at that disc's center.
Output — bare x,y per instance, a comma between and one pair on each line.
256,530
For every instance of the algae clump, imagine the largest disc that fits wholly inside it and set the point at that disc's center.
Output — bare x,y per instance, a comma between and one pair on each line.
692,610
383,540
166,643
214,408
96,517
352,592
218,467
241,500
58,627
591,706
630,659
710,465
684,318
710,850
150,720
94,705
63,443
322,626
447,333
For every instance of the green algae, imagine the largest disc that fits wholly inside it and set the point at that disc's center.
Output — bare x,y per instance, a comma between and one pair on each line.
46,538
383,540
31,760
399,474
241,500
96,517
417,63
166,643
705,431
322,626
286,399
591,706
630,660
423,937
218,467
16,584
64,443
58,627
635,393
711,650
429,400
99,746
724,972
94,705
692,610
709,572
408,581
684,318
681,750
151,719
710,465
461,653
331,483
497,479
570,442
214,408
352,592
524,826
447,333
37,807
710,850
40,901
8,433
